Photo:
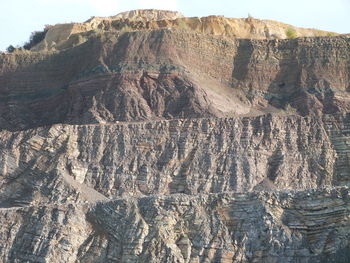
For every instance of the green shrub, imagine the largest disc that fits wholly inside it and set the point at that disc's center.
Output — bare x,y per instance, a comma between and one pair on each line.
291,33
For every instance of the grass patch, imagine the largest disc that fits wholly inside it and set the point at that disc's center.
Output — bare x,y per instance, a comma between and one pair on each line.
182,24
291,33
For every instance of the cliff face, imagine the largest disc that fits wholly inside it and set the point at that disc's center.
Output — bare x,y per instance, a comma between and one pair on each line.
173,74
179,156
175,145
308,226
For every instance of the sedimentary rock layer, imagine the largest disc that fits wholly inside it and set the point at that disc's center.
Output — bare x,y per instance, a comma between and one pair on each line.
173,74
310,226
78,162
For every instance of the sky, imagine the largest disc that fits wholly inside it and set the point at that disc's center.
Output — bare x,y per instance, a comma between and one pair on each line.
21,17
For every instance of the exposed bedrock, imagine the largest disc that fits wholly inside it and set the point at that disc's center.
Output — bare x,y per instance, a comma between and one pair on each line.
71,162
307,226
169,74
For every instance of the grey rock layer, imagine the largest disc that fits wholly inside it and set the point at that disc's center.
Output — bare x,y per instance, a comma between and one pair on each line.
60,183
309,226
62,162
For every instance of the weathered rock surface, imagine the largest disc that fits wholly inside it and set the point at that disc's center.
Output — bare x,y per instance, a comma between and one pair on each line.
52,172
173,74
310,226
175,142
179,156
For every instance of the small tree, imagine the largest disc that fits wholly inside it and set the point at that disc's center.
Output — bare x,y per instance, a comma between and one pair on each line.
291,33
10,49
36,37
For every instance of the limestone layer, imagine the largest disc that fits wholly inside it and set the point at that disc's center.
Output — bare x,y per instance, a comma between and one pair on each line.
60,36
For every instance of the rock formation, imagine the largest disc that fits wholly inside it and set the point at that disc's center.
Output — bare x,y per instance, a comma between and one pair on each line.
152,137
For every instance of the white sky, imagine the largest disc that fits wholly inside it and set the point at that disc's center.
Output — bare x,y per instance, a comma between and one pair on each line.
20,17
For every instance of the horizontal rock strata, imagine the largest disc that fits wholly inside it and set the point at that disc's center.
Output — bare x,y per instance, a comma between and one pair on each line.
165,75
310,226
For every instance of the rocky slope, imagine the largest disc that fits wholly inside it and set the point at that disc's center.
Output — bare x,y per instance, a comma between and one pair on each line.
168,141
